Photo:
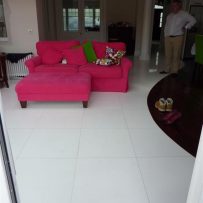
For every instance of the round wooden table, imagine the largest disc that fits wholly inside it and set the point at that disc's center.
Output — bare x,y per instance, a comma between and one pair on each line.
188,99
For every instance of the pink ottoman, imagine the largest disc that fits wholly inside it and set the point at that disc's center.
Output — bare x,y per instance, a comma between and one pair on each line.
54,87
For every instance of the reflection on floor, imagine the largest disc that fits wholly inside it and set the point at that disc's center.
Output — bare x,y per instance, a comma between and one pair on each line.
112,152
187,94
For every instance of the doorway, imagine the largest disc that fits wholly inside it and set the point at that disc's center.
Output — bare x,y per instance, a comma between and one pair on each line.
157,31
157,25
158,22
80,19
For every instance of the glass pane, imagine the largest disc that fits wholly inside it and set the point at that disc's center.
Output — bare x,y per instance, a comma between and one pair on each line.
89,18
3,32
70,15
92,15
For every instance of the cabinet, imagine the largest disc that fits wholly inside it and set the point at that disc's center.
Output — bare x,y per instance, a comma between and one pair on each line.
3,72
124,34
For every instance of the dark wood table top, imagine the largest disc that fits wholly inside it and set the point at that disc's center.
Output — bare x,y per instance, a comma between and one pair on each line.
188,99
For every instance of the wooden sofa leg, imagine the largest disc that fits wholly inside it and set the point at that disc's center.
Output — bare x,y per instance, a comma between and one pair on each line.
85,104
23,104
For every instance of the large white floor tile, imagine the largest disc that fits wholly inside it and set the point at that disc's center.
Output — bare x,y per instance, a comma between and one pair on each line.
105,100
50,105
45,180
144,81
136,99
60,118
108,181
9,96
167,180
105,172
105,143
105,118
22,118
138,118
154,142
51,143
18,138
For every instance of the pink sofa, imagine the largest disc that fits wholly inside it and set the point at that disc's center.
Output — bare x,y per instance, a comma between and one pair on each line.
109,79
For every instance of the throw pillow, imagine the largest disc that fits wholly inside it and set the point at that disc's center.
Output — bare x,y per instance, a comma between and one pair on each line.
89,52
109,52
117,57
51,56
104,62
114,55
75,56
100,47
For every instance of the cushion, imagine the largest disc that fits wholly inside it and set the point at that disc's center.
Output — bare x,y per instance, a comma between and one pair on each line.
100,47
66,68
109,52
51,57
89,52
96,71
42,46
104,62
115,56
112,57
75,56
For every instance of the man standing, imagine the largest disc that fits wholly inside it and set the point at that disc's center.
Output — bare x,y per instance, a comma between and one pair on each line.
177,22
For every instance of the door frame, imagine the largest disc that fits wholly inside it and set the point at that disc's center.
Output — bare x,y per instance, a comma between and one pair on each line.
195,194
7,167
60,34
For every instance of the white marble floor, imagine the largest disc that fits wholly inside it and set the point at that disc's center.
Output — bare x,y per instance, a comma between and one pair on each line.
112,152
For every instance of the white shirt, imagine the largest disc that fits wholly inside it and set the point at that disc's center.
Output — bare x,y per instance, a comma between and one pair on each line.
175,22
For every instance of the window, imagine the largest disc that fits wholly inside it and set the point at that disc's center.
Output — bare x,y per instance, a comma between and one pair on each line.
89,18
92,19
70,19
78,13
3,31
97,17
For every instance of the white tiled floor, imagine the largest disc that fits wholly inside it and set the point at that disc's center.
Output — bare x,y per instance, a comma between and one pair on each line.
112,152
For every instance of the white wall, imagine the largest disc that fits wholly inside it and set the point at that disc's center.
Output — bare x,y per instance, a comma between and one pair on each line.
119,10
21,16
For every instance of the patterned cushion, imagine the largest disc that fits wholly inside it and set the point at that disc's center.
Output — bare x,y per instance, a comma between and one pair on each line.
100,47
112,57
117,57
104,62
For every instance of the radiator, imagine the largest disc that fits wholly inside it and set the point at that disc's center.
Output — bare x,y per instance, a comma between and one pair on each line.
17,69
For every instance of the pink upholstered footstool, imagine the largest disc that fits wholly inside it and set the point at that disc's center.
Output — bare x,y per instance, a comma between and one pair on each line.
54,87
